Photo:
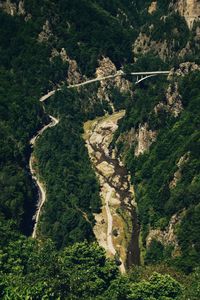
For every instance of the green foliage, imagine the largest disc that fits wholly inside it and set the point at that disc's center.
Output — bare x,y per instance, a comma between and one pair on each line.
78,25
153,171
89,272
142,103
188,233
192,285
63,160
147,62
154,252
89,30
119,100
171,28
119,289
33,271
158,287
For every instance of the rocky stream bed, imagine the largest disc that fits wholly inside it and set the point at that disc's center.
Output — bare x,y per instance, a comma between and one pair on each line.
116,228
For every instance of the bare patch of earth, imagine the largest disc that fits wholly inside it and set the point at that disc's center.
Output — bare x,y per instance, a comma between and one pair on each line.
116,227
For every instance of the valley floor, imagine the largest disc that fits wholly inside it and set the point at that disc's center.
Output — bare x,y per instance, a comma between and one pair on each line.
114,225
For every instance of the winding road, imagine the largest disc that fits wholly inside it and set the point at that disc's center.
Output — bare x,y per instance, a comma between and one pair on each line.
109,220
110,245
35,177
110,191
124,192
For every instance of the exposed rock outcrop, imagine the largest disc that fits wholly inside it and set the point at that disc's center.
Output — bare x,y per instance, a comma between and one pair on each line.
163,48
12,8
46,33
74,75
168,236
21,9
189,9
144,138
168,48
173,97
187,50
106,68
144,44
153,7
9,7
183,69
197,34
177,175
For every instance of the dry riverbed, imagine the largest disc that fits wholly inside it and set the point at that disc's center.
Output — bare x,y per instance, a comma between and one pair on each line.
116,225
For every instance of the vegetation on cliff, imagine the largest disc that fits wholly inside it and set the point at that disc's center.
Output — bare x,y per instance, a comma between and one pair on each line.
153,171
61,264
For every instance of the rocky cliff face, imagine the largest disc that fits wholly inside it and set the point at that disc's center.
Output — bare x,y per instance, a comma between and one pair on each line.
74,75
144,138
168,236
106,68
189,9
173,98
165,50
46,33
12,8
173,103
141,137
144,44
183,69
178,174
170,46
153,7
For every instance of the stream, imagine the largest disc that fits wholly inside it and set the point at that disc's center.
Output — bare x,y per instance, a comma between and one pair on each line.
116,228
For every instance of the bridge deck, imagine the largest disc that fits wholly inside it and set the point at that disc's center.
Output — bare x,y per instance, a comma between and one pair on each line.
149,73
118,73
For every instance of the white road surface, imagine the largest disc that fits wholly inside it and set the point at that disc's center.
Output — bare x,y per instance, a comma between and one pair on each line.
40,185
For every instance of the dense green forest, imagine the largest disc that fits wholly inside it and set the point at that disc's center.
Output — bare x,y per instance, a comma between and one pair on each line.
25,73
62,155
77,26
38,271
64,262
153,171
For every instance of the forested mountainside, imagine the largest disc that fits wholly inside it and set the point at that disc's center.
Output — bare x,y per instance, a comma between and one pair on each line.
49,45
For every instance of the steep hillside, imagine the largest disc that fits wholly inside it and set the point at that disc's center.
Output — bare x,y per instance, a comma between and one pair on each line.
135,187
161,151
171,31
25,72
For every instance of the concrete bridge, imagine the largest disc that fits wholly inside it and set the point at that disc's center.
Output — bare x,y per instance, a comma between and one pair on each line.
140,76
